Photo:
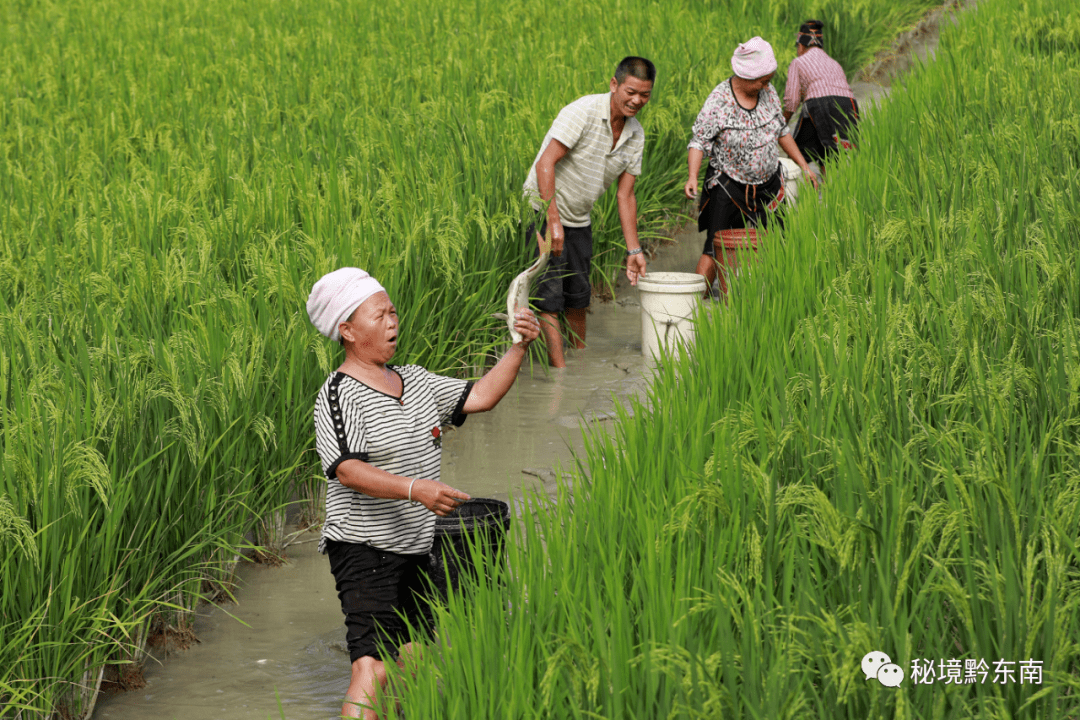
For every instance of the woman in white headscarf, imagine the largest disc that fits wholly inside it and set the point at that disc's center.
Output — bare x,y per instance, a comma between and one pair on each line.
739,129
378,431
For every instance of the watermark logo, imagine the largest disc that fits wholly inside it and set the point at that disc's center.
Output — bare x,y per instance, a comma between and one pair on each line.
976,671
890,675
876,665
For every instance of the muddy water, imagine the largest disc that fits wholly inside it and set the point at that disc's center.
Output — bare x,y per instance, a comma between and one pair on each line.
284,636
534,432
280,651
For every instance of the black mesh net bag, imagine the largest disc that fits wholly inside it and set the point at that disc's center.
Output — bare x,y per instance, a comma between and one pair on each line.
483,522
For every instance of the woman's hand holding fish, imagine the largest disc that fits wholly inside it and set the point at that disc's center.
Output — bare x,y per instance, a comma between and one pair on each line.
489,389
527,325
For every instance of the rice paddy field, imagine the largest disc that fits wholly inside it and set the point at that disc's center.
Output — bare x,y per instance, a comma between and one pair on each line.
881,451
874,448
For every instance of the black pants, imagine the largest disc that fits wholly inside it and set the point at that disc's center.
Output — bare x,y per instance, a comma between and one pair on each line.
379,591
825,126
564,284
730,205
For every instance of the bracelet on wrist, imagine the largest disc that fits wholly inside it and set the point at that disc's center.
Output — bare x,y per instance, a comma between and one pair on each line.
635,251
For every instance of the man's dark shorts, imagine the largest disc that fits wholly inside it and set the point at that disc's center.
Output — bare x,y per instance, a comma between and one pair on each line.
564,284
376,588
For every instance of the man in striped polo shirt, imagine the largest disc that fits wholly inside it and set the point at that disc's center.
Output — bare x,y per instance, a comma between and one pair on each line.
593,142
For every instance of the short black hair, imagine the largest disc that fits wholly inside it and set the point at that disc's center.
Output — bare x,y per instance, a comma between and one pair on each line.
639,67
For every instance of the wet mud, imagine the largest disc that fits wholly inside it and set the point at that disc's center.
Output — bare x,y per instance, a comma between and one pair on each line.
280,651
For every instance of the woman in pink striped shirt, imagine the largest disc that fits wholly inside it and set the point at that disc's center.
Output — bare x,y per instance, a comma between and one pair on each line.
819,83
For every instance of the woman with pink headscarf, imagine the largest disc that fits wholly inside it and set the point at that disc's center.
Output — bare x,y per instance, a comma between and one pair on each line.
740,128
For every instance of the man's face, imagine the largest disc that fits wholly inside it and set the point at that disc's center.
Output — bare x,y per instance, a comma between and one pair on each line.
631,95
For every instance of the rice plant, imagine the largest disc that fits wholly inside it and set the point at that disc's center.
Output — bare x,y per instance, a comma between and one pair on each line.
175,177
874,447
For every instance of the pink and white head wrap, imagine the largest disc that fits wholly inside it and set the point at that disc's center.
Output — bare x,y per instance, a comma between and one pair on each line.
753,59
336,295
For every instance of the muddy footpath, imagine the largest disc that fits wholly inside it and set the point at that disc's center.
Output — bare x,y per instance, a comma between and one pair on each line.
279,651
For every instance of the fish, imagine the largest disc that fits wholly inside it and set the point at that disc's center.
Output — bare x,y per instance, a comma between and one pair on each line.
518,296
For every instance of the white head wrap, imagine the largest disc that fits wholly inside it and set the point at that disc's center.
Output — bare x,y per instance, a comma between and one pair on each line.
753,59
336,295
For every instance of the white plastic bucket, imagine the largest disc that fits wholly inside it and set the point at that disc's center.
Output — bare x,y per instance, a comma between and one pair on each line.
668,303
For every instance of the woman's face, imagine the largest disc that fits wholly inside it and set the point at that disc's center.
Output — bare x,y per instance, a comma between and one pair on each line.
753,87
373,329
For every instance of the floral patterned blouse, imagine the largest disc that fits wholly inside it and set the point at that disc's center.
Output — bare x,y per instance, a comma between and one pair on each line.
737,141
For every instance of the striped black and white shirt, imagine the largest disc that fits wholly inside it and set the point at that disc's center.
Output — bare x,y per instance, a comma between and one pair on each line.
591,165
402,436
